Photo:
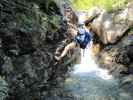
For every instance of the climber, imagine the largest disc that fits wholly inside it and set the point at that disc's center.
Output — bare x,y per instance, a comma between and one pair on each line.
82,37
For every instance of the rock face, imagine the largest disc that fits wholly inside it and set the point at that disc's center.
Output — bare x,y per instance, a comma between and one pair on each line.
30,35
110,27
113,44
3,89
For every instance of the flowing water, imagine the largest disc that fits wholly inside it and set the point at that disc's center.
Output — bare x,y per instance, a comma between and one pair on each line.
89,82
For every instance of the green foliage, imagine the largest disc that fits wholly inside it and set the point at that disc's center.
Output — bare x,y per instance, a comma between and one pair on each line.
50,22
106,4
55,21
40,16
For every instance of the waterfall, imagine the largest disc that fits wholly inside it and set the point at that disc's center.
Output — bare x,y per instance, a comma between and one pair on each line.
88,65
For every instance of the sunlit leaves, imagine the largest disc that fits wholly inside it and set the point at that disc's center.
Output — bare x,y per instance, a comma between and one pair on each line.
106,4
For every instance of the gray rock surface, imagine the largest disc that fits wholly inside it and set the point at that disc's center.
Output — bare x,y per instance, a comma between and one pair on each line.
113,44
30,34
110,27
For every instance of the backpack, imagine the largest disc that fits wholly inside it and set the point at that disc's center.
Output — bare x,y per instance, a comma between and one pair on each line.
83,38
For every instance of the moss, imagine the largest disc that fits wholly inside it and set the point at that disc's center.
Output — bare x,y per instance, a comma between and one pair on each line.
55,21
39,16
49,7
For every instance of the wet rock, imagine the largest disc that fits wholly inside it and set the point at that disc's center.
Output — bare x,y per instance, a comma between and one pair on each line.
122,58
30,34
94,12
114,30
3,89
110,27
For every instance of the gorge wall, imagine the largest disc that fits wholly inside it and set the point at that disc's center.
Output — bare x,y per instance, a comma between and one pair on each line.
31,33
113,42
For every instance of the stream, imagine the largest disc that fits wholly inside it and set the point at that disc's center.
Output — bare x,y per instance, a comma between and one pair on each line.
88,82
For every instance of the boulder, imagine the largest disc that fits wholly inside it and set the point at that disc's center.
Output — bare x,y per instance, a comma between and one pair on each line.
110,27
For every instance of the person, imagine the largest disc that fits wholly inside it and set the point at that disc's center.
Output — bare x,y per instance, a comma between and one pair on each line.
82,37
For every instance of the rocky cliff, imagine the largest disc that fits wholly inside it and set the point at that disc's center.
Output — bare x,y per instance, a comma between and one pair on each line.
113,42
30,35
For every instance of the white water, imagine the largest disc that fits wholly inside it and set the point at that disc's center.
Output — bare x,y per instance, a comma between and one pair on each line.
89,82
88,65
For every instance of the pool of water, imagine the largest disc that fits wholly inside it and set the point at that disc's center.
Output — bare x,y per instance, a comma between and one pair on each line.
88,81
89,86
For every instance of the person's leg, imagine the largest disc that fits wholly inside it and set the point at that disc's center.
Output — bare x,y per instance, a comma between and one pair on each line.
70,46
